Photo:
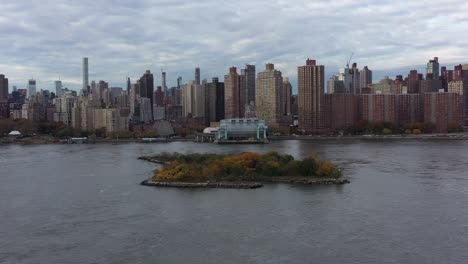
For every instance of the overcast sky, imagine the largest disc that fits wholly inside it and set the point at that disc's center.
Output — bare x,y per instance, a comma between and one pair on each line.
47,39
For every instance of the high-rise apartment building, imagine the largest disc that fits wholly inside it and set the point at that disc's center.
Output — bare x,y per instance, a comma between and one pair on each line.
268,95
366,77
413,81
311,86
340,110
443,110
377,108
355,79
3,88
147,88
233,107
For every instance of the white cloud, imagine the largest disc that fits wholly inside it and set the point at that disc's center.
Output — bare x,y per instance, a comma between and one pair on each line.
124,38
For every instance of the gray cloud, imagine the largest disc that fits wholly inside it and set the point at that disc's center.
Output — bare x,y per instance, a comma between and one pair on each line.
47,39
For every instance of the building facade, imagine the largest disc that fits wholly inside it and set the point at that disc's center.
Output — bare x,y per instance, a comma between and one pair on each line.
311,88
268,94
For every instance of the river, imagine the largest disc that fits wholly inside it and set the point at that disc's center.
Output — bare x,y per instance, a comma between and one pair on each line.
407,203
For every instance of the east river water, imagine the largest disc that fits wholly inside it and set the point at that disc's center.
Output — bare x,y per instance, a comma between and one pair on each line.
407,203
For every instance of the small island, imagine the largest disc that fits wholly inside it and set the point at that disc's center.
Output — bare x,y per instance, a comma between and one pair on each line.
244,171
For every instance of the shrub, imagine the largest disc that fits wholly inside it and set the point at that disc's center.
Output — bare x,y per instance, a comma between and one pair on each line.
204,167
387,131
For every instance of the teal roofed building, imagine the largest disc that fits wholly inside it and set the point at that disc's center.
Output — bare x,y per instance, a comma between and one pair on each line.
242,130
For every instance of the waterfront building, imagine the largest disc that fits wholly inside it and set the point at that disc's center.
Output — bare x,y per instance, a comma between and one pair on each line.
409,109
239,129
214,101
444,110
311,86
340,110
377,108
268,95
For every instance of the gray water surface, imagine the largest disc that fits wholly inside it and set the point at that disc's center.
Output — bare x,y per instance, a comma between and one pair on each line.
407,203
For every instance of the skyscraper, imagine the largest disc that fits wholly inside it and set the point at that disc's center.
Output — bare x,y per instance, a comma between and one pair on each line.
197,75
3,88
179,82
250,83
193,100
214,101
129,86
366,78
311,84
147,88
85,75
31,87
432,69
58,88
232,104
268,95
163,83
356,79
286,97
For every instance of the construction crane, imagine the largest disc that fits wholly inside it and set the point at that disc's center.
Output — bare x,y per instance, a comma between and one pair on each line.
349,61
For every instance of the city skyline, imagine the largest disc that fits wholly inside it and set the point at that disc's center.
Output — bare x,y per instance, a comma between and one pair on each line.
46,47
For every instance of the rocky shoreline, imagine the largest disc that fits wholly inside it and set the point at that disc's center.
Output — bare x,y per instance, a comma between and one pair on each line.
225,185
148,159
246,184
301,180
